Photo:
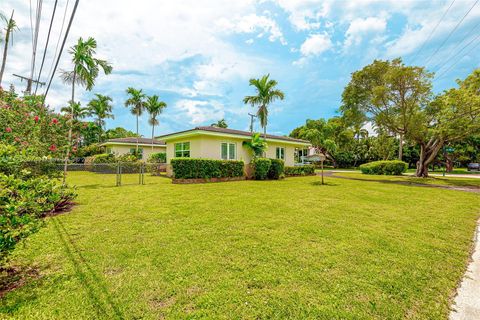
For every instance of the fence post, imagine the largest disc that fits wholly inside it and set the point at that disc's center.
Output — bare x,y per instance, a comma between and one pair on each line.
117,176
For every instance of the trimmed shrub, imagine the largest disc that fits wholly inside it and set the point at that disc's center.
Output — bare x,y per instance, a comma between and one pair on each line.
103,158
387,167
158,157
191,168
276,169
306,170
261,167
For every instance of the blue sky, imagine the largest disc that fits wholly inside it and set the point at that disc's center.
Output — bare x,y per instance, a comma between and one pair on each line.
199,55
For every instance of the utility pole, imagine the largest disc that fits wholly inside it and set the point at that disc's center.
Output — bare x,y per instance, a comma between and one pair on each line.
29,82
251,121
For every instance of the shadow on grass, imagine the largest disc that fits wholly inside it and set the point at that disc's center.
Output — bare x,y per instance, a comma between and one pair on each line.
94,285
326,183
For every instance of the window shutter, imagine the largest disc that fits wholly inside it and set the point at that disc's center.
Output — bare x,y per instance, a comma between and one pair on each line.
231,152
224,151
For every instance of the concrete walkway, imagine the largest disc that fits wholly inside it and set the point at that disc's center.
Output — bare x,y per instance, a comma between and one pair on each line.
467,302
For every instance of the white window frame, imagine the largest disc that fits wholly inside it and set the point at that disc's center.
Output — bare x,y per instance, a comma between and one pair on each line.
182,150
280,153
229,146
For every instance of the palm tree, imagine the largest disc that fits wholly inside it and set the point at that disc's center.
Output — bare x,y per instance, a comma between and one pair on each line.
86,69
266,94
11,26
101,109
137,103
154,107
75,110
220,124
256,145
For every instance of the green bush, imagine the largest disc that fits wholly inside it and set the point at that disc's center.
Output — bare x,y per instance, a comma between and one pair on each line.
261,167
158,157
276,170
300,170
104,158
191,168
386,167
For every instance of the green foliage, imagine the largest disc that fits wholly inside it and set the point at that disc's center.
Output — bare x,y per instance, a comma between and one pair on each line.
388,167
104,158
220,124
306,170
261,167
28,125
119,132
256,145
190,168
90,150
158,157
276,170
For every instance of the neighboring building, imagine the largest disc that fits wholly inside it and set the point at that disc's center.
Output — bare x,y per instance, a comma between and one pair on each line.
121,146
227,144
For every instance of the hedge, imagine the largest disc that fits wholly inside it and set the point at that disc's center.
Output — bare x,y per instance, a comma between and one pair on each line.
158,157
276,169
300,170
191,168
261,167
387,167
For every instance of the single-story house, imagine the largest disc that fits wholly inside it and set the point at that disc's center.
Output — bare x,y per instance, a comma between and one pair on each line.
227,144
121,146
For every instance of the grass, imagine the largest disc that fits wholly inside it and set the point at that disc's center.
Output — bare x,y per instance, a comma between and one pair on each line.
247,250
432,180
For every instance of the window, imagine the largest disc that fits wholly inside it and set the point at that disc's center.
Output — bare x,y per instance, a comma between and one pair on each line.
182,150
229,151
280,153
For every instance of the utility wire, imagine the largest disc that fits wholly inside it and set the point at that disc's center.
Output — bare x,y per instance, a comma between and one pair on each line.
59,38
46,46
61,48
451,32
35,41
458,60
460,51
432,32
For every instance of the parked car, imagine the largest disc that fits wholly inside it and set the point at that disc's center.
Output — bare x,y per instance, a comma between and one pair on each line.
473,167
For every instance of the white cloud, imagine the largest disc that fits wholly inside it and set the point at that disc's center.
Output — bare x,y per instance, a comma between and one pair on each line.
360,28
253,23
305,14
316,44
200,112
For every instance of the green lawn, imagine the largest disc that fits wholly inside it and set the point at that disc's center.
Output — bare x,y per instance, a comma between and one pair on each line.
247,250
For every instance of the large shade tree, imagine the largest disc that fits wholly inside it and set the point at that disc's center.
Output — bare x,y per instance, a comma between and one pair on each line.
388,93
154,107
136,102
100,108
452,116
266,93
86,69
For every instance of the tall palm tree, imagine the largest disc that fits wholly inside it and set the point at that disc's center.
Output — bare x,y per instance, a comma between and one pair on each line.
266,93
101,109
154,107
11,26
86,69
75,110
136,102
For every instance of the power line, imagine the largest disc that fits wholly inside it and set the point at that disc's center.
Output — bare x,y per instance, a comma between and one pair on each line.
61,48
46,45
458,52
458,60
35,42
451,32
433,31
58,41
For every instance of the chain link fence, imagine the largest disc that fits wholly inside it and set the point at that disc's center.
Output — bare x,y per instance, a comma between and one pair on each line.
121,173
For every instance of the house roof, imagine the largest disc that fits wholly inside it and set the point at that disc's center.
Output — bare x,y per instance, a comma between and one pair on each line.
133,140
226,131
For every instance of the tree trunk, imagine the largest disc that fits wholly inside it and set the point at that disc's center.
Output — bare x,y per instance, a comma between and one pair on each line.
5,49
153,134
448,163
265,138
428,152
136,150
69,142
400,147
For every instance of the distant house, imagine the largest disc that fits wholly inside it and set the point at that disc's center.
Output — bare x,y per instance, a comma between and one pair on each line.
121,146
227,144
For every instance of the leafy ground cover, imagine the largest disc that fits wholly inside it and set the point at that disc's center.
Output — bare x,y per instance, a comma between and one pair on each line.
290,248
